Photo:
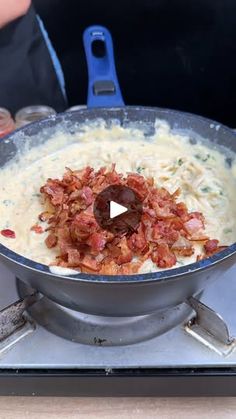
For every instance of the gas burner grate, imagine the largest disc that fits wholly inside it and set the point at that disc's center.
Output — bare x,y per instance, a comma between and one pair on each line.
101,330
200,321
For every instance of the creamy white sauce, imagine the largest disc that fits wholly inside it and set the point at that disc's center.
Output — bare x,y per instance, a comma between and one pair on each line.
207,183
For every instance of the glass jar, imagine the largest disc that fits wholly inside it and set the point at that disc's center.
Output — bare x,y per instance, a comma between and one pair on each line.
6,122
32,113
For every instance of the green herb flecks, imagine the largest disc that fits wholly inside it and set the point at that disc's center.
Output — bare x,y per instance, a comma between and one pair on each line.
227,230
206,189
7,202
202,158
139,169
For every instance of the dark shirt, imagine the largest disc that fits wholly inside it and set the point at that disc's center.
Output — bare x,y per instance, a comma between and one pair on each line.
27,75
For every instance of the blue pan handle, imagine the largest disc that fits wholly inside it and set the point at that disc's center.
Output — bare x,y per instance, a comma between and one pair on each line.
103,86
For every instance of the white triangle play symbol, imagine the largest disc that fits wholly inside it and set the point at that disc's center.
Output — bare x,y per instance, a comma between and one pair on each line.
116,209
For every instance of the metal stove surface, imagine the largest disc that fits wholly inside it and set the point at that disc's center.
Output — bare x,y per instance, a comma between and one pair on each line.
42,349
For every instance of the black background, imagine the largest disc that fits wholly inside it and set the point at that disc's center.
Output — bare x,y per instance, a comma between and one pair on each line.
179,54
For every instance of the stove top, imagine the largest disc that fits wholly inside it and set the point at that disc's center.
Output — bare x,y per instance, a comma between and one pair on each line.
176,352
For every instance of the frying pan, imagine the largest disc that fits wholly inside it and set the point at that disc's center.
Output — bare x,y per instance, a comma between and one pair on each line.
121,295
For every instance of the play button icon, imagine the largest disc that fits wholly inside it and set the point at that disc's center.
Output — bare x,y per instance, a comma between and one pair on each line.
118,209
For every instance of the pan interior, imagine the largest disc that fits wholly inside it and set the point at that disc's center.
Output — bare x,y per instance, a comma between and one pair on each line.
144,119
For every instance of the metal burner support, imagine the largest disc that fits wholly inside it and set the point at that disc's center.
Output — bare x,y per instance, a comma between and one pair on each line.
207,326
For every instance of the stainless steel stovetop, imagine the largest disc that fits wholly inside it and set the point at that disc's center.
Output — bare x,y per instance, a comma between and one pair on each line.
41,353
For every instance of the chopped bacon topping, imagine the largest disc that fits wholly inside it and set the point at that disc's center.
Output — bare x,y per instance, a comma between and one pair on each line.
97,242
166,230
211,247
8,233
51,240
37,229
54,190
44,216
183,247
163,256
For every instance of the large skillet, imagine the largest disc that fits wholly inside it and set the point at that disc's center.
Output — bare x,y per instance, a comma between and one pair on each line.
119,295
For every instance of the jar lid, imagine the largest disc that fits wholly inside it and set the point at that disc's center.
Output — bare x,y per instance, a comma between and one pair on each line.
7,124
33,113
76,108
4,113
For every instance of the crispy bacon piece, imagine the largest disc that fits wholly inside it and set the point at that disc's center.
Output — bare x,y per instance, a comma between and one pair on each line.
195,227
163,256
109,268
162,212
84,175
138,184
211,247
166,228
181,211
130,268
97,242
54,191
125,254
183,247
64,240
74,258
51,240
82,226
90,263
138,242
44,216
87,195
164,231
37,229
8,233
84,197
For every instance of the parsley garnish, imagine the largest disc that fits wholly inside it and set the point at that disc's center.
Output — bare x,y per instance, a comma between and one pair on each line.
206,189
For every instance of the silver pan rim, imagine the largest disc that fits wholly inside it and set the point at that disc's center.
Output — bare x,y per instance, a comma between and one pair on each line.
159,276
